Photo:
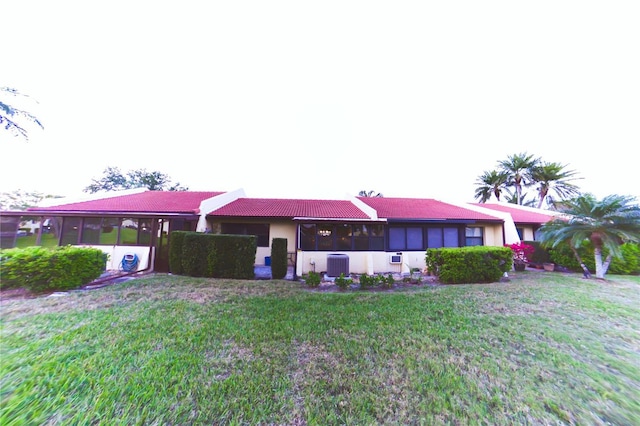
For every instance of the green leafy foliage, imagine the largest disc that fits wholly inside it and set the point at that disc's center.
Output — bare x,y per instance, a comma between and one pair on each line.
540,254
343,282
41,269
376,280
114,180
312,279
176,244
217,256
469,264
627,263
279,258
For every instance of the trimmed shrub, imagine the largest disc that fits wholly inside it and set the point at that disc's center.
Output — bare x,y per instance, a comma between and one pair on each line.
279,264
213,255
176,242
195,251
478,264
232,256
41,269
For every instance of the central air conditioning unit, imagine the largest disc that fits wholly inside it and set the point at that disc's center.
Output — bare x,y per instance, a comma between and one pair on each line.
337,264
395,259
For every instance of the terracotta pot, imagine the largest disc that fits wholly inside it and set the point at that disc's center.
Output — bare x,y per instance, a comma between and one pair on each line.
549,266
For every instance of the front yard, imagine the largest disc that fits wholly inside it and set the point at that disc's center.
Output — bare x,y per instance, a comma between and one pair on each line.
543,348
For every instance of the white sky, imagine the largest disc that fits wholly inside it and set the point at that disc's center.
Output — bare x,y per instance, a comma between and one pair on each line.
303,99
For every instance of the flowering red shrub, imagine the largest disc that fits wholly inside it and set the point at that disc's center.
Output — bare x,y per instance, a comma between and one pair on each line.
521,252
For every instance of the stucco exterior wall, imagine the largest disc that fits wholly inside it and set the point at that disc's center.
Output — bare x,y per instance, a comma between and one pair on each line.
282,229
361,262
116,254
493,235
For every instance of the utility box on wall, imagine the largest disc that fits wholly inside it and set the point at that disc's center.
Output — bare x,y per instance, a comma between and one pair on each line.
337,264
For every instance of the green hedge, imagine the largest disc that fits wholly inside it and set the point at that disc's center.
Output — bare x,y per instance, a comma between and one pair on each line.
628,264
478,264
176,242
213,255
279,262
41,269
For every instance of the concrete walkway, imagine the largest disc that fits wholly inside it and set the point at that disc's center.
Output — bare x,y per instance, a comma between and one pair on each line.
264,272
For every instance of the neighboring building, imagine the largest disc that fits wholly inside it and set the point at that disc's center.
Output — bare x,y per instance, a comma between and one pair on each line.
359,235
526,219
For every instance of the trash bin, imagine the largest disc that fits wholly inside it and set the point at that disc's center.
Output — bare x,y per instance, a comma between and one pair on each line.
267,261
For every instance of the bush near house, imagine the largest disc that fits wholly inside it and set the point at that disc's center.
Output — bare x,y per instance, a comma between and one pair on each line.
279,258
540,254
478,264
41,269
176,243
628,264
213,255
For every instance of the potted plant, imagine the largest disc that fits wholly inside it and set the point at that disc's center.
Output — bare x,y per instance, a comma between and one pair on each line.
521,254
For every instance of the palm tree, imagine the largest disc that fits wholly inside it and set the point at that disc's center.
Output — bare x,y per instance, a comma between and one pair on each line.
552,177
606,223
518,167
371,193
512,198
490,183
8,115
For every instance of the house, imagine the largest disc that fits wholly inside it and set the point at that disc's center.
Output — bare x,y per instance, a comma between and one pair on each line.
354,235
526,219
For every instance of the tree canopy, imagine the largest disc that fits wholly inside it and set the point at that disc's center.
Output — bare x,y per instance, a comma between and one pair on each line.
19,200
11,117
524,174
606,224
371,193
113,179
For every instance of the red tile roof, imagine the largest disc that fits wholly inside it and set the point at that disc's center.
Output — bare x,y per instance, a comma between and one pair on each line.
421,208
290,208
143,202
520,214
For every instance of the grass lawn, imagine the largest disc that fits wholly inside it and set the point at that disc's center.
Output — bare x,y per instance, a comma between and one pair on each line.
544,348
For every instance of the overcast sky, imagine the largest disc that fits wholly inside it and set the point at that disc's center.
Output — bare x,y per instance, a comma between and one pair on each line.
304,99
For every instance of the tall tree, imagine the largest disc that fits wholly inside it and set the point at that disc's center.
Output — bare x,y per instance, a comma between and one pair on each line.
113,180
553,178
490,183
518,167
19,200
371,193
11,117
606,223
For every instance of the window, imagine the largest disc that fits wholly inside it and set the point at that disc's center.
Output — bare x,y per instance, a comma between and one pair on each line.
260,230
70,231
91,227
110,230
308,236
135,232
413,237
473,236
397,239
451,237
342,237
